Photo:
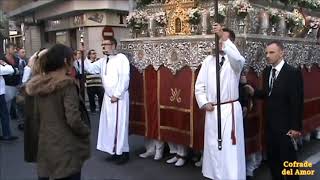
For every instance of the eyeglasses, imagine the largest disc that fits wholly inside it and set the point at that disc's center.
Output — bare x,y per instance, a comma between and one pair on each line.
93,53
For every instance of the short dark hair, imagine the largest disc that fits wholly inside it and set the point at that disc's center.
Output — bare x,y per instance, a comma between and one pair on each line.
89,53
113,41
232,35
276,42
56,56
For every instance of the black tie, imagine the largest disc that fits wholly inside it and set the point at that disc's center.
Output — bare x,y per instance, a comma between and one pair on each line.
273,78
222,61
107,58
106,64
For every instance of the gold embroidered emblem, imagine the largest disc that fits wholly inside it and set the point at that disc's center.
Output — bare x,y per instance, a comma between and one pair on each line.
175,95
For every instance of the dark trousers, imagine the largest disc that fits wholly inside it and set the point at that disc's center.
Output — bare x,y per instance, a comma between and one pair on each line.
92,92
72,177
4,116
280,149
13,109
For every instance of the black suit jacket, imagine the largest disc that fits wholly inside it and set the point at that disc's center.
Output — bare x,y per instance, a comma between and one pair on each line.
284,107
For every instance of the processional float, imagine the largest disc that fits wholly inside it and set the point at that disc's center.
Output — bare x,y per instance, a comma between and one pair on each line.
170,39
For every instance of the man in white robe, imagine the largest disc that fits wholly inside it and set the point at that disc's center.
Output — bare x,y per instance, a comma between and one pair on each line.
114,118
229,163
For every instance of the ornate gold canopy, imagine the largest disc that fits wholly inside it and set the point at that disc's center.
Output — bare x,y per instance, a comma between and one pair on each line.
177,14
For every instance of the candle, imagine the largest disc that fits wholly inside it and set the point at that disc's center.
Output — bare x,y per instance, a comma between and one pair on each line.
204,22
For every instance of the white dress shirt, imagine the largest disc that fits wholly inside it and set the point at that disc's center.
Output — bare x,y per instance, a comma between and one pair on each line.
278,69
4,70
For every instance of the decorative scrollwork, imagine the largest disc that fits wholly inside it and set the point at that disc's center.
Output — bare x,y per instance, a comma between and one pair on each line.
178,52
175,95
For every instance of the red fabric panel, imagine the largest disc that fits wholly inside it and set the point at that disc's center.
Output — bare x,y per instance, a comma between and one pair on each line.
198,123
311,115
181,81
175,119
137,113
151,102
311,108
136,129
312,98
253,145
255,131
174,137
175,91
136,85
255,134
311,83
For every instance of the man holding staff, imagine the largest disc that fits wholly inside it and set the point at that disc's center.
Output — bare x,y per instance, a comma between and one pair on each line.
229,162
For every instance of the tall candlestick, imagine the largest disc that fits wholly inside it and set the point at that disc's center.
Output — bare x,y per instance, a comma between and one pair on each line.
204,22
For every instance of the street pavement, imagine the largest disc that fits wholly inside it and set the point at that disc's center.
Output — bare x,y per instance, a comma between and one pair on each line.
13,167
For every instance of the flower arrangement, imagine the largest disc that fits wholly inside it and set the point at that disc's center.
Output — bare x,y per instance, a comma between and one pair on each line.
222,12
295,19
160,18
242,8
194,16
137,19
274,15
311,4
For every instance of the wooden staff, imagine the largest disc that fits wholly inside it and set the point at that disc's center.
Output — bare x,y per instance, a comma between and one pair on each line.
116,131
82,76
218,77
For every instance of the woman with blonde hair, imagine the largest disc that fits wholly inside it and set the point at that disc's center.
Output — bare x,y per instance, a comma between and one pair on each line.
63,132
31,124
33,67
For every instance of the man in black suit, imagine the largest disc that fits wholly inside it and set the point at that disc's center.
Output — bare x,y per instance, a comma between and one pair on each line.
283,94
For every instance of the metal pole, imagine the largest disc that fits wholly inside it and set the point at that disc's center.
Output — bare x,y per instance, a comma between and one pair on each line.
218,78
82,76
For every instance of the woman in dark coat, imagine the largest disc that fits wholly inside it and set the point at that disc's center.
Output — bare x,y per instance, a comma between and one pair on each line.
31,122
63,137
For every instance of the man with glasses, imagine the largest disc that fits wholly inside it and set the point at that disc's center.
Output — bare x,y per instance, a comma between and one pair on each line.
114,69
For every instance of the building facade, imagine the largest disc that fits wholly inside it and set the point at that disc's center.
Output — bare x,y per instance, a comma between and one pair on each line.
47,22
4,30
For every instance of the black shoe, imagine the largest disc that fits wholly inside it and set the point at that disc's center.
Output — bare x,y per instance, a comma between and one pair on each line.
113,158
249,178
124,158
8,138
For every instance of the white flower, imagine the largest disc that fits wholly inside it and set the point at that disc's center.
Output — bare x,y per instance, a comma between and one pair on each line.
160,18
194,15
222,10
273,11
242,6
296,18
137,18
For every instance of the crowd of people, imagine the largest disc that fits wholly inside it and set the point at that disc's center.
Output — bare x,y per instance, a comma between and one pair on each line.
43,93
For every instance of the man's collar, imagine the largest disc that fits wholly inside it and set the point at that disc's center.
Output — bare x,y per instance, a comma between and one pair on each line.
279,66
